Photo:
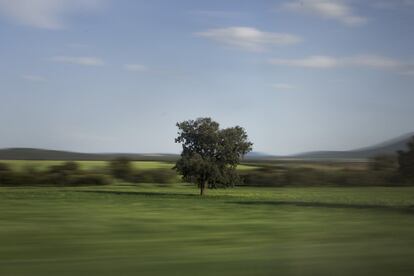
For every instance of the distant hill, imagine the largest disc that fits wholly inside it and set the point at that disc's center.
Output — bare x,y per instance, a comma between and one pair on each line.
45,154
387,147
257,155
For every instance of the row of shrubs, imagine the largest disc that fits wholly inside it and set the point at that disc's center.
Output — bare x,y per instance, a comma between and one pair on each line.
70,174
67,174
122,169
381,172
314,177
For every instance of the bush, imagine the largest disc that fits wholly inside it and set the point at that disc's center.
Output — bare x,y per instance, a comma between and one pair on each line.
162,176
261,177
383,163
313,177
65,168
88,179
67,174
4,173
121,168
4,168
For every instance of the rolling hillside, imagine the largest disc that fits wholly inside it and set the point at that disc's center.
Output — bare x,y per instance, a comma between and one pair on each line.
387,147
45,154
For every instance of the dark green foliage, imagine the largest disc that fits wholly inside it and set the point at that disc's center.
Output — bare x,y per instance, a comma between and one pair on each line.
210,155
406,162
383,163
121,168
67,174
5,173
161,176
4,168
274,177
61,174
88,179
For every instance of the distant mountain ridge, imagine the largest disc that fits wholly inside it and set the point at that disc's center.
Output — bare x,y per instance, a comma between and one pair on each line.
387,147
46,154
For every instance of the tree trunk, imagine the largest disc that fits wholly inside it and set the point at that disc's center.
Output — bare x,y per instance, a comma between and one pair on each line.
202,188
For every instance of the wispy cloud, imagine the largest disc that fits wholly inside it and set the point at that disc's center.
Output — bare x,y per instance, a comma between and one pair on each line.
310,62
34,78
331,9
136,67
326,62
85,61
47,14
282,86
362,61
248,38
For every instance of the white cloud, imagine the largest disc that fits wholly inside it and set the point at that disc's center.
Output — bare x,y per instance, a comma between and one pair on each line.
85,61
311,62
325,62
373,62
136,68
330,9
47,14
248,38
34,78
282,86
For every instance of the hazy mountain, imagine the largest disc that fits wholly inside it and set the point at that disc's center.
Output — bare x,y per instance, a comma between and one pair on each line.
387,147
257,154
45,154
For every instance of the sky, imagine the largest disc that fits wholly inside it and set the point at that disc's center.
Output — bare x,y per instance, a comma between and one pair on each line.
116,76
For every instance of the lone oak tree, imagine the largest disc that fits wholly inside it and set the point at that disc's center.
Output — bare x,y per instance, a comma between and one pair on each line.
210,155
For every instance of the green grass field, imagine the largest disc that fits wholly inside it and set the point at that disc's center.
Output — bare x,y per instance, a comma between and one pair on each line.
152,230
20,165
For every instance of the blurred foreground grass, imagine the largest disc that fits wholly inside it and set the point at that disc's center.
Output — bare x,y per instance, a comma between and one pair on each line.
154,230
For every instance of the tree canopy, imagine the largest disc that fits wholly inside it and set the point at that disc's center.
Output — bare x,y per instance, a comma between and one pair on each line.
210,155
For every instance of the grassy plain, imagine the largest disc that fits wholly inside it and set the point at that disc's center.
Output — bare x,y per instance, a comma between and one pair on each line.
20,165
170,230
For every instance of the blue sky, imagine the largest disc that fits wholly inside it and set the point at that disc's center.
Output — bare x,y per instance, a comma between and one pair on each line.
115,76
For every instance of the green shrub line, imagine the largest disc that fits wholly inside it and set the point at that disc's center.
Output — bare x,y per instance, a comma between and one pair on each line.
312,177
67,174
70,174
380,171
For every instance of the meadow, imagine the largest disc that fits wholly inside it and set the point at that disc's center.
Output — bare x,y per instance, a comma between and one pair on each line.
20,165
149,229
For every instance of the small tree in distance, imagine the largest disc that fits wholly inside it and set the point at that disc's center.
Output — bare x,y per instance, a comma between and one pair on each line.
210,155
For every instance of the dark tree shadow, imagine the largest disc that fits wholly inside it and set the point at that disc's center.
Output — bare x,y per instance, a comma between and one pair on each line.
405,209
